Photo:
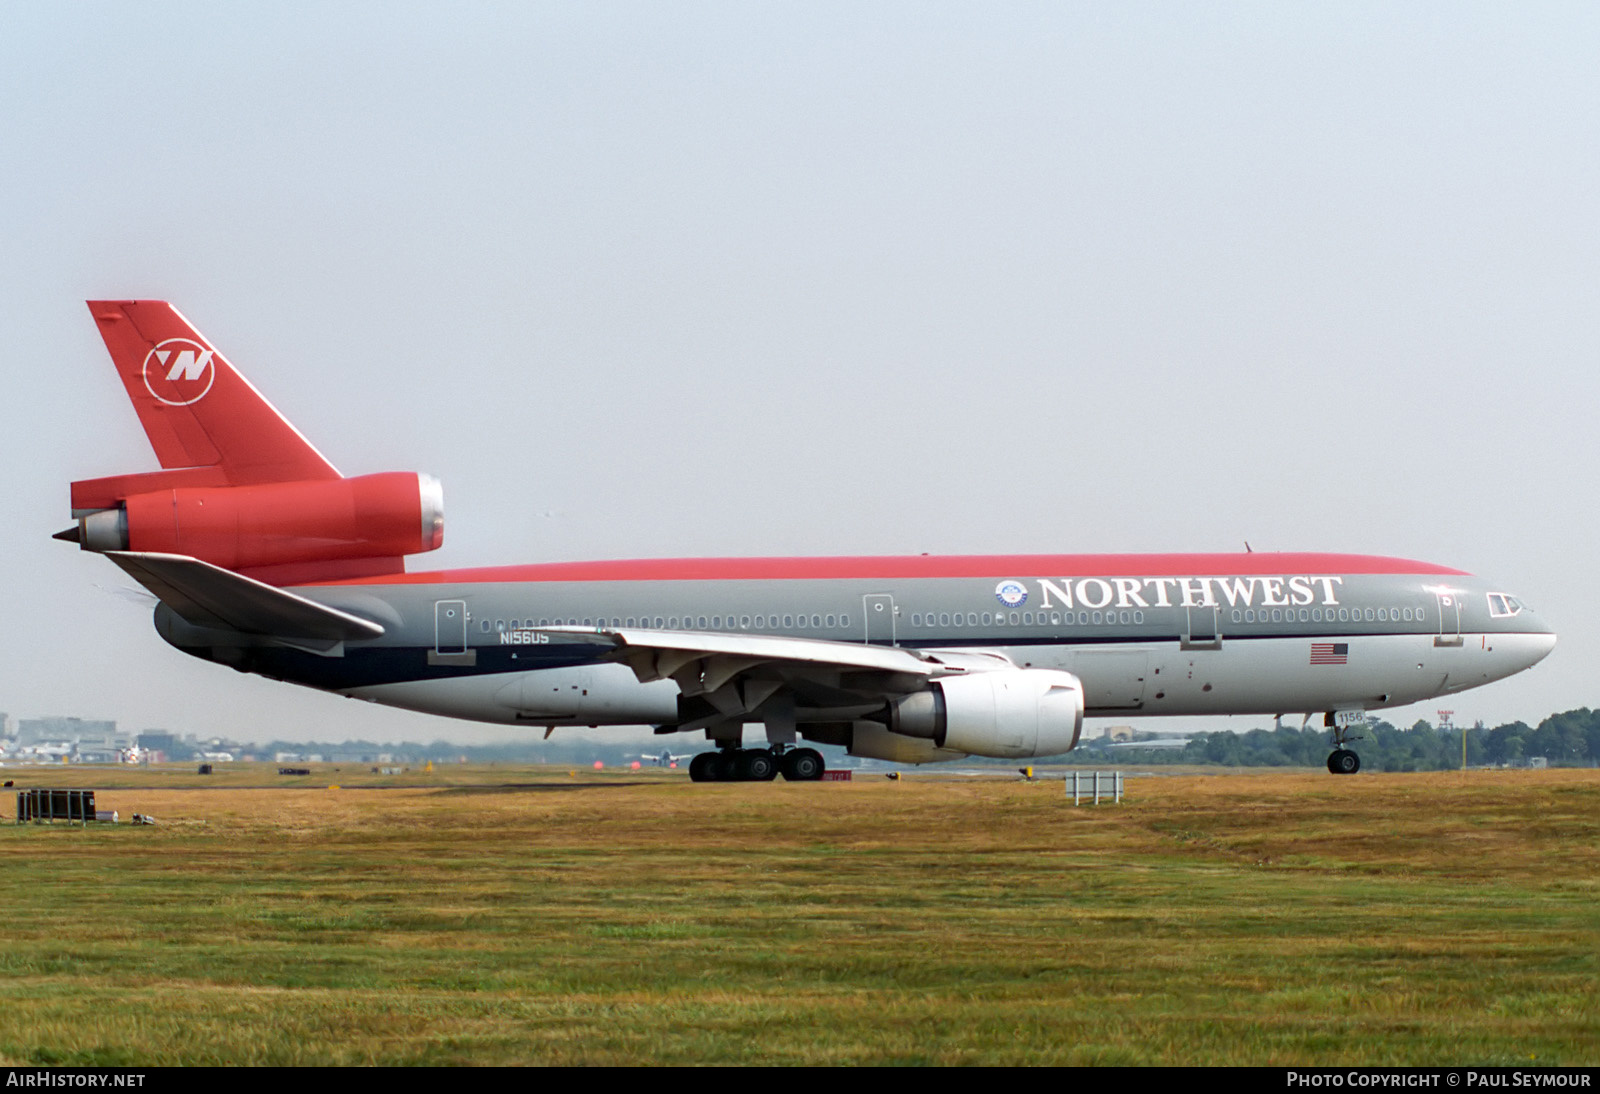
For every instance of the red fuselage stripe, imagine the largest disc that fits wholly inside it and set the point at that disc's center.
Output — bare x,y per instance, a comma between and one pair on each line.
919,566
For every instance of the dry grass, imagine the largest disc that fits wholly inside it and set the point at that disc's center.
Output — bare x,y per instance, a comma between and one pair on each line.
504,916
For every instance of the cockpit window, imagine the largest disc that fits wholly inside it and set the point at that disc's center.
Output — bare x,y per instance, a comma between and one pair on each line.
1503,605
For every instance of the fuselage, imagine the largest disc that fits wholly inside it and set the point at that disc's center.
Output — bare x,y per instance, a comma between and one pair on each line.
266,558
1254,633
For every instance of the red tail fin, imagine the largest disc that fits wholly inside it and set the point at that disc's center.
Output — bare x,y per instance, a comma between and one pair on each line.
197,411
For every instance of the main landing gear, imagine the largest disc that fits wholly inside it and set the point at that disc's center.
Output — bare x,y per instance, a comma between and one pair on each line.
757,765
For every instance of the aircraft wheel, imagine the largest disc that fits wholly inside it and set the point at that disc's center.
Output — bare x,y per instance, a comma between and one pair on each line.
758,765
803,765
700,767
1344,762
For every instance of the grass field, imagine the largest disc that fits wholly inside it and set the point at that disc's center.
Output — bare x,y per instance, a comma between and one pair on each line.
534,916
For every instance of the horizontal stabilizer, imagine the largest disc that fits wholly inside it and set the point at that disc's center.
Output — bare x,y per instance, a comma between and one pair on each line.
209,596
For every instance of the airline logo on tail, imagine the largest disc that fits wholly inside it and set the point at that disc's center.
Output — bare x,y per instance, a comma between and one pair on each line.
179,371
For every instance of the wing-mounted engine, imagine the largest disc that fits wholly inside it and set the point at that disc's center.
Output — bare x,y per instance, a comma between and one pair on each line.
1012,713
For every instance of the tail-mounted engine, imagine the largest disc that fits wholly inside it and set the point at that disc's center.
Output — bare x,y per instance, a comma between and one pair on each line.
274,530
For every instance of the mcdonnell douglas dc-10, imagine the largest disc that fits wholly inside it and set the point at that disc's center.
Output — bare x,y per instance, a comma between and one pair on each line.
265,558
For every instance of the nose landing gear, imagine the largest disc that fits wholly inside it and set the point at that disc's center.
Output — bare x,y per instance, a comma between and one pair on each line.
1343,761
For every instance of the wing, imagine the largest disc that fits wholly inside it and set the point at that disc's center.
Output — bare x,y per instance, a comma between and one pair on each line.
743,676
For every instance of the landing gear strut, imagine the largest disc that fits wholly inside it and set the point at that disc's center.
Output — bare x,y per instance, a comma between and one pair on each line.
1343,761
757,765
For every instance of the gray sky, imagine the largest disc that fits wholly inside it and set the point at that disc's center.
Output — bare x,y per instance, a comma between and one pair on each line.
638,280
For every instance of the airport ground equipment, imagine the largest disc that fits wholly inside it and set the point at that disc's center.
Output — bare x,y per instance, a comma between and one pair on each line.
41,804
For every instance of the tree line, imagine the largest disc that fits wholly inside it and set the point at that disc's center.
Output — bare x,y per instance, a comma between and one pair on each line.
1568,739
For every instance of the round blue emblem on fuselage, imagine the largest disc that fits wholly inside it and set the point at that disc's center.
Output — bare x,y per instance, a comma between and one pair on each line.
1013,594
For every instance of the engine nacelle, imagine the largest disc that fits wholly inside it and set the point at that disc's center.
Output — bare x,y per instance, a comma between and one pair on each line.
388,515
1011,713
873,741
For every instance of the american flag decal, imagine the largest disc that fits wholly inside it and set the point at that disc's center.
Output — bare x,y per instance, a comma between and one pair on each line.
1330,653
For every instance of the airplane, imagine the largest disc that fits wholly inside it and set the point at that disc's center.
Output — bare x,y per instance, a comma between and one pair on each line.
665,758
265,558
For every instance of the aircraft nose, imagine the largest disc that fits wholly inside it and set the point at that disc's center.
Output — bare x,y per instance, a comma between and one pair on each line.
1527,649
1543,643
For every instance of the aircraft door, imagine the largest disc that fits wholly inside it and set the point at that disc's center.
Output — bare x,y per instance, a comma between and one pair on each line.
879,610
1200,628
450,627
1449,617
